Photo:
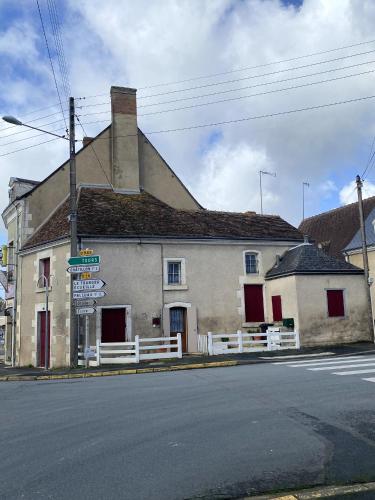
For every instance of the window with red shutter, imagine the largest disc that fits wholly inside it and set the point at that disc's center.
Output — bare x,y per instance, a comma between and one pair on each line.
44,270
335,303
276,308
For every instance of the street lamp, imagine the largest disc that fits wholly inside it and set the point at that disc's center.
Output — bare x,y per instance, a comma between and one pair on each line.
263,172
72,209
15,121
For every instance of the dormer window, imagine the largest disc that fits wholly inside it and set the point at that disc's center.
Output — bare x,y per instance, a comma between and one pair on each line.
251,263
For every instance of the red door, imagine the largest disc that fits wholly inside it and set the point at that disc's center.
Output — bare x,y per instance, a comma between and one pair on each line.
254,310
113,325
42,316
276,308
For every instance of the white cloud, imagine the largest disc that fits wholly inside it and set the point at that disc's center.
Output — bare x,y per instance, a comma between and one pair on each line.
348,194
142,43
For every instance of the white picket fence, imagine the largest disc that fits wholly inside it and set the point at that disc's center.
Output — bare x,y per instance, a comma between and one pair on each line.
229,343
110,353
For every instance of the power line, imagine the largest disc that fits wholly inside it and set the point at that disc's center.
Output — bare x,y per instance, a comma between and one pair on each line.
250,118
59,47
220,92
258,76
212,75
97,157
50,60
243,88
29,147
255,95
228,122
242,97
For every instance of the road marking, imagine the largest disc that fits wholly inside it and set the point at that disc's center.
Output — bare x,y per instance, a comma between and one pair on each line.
298,356
355,372
371,379
340,367
296,364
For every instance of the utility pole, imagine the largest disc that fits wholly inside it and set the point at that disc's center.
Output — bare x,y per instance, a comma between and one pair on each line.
263,172
73,228
364,248
303,198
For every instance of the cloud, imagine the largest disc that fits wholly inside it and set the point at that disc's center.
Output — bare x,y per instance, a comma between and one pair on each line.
348,194
144,43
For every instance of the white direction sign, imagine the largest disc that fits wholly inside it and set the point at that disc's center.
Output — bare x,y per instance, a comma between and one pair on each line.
93,268
89,294
85,303
88,284
85,310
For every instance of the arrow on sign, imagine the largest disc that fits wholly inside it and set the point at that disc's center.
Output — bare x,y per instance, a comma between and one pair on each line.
88,284
82,261
83,269
85,303
89,295
85,310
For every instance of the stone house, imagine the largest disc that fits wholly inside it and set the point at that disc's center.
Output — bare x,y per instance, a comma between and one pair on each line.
169,265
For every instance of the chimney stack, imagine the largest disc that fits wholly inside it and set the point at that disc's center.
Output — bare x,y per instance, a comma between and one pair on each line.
124,139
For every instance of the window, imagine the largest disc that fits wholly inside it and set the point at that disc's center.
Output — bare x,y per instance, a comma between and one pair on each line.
251,263
44,270
174,273
335,303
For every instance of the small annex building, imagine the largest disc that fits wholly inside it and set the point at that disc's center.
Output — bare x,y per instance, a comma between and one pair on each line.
326,296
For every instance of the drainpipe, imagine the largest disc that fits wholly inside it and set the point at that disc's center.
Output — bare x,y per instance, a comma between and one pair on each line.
15,274
162,288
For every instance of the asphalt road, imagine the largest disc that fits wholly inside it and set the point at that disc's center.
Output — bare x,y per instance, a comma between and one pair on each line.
215,433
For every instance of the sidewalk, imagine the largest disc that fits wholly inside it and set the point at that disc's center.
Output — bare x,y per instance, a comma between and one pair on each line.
188,362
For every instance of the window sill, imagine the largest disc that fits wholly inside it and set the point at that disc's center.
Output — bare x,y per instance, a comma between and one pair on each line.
175,287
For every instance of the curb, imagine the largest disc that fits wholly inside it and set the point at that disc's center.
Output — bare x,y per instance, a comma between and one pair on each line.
112,373
318,492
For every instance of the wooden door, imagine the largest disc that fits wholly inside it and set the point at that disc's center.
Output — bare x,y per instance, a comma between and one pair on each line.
113,324
277,308
43,345
254,309
177,318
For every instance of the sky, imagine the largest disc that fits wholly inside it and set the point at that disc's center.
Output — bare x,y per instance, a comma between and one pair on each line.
146,45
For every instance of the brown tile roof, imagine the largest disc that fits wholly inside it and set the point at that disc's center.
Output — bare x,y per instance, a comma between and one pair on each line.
336,228
104,213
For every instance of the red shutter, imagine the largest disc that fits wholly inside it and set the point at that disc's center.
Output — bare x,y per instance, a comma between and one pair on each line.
46,270
276,308
254,311
335,301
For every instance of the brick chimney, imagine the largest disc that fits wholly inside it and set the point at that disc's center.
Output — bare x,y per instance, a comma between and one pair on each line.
86,140
124,140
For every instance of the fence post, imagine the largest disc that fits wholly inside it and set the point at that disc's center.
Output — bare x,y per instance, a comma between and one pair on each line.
179,346
269,345
210,344
240,341
298,345
136,342
97,352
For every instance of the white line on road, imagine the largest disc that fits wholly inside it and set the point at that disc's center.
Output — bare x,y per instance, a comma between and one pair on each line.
371,379
355,372
298,356
328,361
341,367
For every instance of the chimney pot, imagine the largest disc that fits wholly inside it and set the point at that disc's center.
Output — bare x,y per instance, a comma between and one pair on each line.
87,140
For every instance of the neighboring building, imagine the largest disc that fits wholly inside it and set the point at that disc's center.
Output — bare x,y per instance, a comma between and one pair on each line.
325,296
170,265
333,230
